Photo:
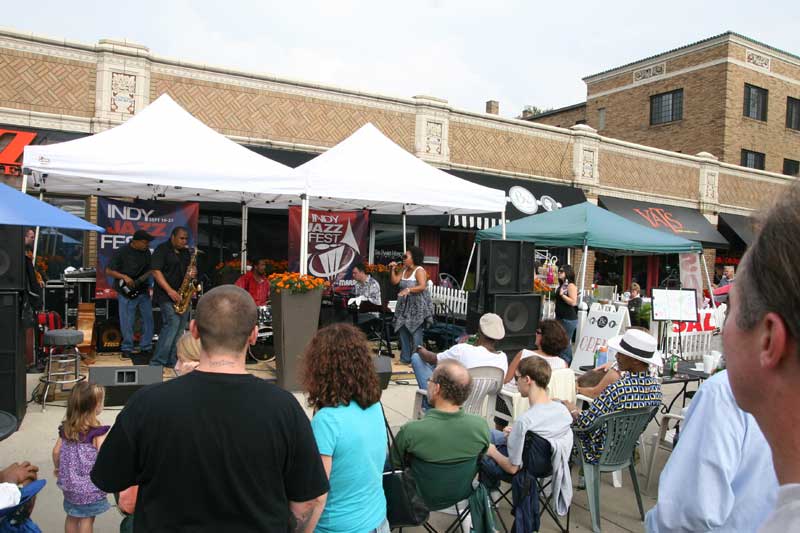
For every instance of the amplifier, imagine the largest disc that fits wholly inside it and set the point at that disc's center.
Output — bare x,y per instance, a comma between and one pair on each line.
122,381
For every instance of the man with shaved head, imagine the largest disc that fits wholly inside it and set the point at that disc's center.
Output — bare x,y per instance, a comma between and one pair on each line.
446,433
216,449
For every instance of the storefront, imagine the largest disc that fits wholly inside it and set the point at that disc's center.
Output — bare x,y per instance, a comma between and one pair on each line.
739,232
653,271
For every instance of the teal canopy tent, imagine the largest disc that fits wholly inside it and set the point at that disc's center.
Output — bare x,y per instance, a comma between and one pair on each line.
587,225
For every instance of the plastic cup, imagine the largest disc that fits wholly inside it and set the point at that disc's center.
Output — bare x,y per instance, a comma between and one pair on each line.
708,363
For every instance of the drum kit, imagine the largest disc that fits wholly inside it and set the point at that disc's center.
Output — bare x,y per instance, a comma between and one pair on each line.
264,323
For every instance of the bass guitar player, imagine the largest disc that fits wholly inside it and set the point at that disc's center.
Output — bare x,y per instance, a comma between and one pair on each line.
130,268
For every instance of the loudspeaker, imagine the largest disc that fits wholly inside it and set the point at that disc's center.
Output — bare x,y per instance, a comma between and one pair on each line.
109,336
383,367
12,357
507,266
12,258
122,381
520,314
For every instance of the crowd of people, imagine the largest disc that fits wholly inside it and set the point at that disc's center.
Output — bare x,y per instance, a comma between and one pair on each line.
217,459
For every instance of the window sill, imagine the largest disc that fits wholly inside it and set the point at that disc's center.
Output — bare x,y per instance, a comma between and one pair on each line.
756,120
670,123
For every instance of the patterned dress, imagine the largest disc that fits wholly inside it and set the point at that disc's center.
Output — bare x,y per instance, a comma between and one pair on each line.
634,390
413,310
75,465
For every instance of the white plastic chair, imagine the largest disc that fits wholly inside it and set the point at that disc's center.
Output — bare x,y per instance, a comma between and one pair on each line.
664,440
487,382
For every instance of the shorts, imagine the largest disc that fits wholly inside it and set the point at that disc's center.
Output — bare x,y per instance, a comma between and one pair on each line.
86,510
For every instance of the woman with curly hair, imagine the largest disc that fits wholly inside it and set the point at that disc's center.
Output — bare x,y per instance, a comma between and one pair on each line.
343,389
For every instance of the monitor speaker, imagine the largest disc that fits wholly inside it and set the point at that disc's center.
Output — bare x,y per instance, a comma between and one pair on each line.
12,358
122,381
507,266
12,258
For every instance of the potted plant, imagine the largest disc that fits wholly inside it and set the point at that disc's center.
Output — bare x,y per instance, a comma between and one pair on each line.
296,301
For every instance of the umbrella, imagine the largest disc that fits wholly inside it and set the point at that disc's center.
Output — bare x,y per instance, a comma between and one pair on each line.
20,209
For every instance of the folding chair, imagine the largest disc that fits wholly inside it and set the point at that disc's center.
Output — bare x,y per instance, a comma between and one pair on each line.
542,472
487,382
445,485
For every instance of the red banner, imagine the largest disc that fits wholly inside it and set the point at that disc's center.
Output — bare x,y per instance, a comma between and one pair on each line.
337,240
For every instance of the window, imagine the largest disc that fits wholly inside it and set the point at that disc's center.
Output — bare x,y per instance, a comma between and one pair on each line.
601,118
793,113
386,242
753,159
791,167
666,107
755,102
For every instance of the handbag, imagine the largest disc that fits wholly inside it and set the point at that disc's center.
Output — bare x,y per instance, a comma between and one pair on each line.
404,505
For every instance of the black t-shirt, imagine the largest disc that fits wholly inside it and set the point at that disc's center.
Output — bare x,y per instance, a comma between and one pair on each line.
173,265
130,261
212,452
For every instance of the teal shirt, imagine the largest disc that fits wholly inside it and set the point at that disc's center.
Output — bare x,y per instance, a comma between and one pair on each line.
356,440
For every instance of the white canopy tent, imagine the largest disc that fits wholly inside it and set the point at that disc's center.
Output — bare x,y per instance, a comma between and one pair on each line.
164,153
369,171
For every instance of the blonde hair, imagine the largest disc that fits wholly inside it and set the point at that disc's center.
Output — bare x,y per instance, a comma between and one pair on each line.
188,347
83,404
635,287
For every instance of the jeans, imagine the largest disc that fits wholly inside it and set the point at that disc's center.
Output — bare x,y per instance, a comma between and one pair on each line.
408,343
127,318
422,371
490,472
172,327
383,528
570,326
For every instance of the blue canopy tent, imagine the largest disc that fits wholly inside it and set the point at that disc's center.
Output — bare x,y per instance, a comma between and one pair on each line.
20,209
589,226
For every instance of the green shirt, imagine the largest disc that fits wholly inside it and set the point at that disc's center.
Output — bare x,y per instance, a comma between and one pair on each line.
442,437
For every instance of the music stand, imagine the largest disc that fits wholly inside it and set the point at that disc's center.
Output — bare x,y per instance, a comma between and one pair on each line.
673,305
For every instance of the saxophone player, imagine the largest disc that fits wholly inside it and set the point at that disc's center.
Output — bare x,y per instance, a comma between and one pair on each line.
170,265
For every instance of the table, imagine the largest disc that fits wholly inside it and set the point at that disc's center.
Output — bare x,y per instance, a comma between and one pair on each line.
686,374
8,424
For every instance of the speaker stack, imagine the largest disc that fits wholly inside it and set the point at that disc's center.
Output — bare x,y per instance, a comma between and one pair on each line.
505,285
12,334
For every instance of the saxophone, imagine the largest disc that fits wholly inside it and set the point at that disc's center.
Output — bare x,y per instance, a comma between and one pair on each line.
188,287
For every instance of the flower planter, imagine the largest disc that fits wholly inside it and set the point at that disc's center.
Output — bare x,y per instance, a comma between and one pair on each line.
295,318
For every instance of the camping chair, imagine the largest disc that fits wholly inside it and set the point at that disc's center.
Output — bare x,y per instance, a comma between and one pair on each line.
542,472
487,382
445,485
622,431
665,439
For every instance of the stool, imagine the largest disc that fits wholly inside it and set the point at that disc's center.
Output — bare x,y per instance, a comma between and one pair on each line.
64,367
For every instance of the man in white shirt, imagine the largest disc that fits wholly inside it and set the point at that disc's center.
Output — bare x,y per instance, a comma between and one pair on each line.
482,353
720,475
761,343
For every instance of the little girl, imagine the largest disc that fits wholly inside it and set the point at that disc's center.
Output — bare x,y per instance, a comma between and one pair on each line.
79,438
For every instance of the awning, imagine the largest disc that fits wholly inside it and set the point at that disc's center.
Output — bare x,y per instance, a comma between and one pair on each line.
681,221
526,197
739,225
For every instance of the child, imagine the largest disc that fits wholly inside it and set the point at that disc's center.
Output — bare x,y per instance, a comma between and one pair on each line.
79,438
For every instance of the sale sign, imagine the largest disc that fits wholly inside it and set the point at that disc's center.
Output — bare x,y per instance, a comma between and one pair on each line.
337,241
122,219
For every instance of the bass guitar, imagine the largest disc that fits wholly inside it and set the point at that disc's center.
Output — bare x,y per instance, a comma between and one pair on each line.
140,285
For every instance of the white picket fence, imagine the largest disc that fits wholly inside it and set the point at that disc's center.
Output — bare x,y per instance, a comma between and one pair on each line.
455,299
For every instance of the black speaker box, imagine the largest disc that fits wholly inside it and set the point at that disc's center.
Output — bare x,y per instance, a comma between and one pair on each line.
122,381
520,314
109,336
507,266
12,357
12,258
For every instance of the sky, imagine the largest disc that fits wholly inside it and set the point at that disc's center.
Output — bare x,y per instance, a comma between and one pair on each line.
467,52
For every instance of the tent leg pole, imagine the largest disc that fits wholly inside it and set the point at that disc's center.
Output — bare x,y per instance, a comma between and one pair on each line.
304,236
503,222
477,270
583,272
36,238
405,247
24,187
243,256
469,263
708,280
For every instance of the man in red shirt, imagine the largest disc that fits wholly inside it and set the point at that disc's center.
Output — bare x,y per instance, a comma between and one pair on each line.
255,282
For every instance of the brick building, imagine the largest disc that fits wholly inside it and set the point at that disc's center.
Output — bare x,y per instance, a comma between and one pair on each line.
728,95
52,90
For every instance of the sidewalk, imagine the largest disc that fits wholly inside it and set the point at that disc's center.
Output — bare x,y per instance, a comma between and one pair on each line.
35,439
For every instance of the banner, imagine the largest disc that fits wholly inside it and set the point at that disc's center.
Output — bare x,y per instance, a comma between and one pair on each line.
122,219
691,275
337,240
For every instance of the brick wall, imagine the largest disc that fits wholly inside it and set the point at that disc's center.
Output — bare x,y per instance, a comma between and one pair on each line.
563,119
621,169
772,137
46,84
577,257
710,256
701,128
736,190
